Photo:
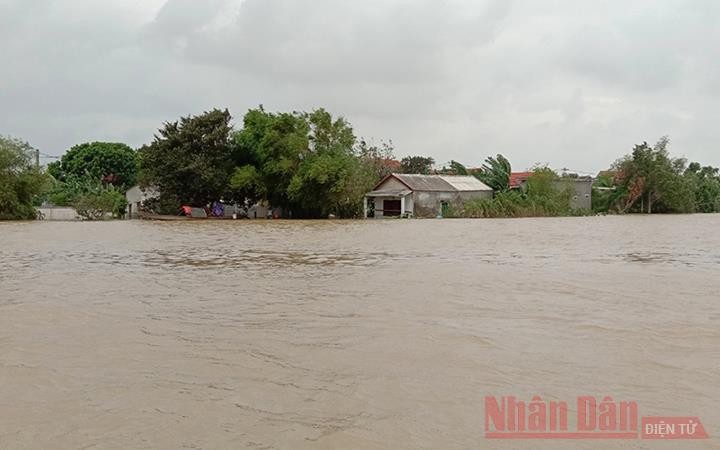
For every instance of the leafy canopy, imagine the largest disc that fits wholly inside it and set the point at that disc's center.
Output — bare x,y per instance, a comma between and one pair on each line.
190,160
21,183
109,162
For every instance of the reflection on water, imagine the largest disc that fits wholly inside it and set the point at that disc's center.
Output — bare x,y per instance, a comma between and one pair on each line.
372,334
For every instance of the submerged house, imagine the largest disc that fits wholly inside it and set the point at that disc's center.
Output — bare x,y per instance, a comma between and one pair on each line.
409,195
580,187
135,197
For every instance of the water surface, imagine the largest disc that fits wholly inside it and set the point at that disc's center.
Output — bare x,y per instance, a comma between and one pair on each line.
367,334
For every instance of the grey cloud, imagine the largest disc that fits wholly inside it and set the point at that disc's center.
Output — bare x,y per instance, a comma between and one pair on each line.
572,83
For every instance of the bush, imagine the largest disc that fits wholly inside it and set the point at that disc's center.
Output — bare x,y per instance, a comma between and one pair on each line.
100,205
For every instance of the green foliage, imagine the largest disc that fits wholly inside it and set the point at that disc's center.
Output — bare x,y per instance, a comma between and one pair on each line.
706,186
541,197
97,204
495,173
379,160
109,162
454,168
305,163
649,180
190,160
417,164
21,183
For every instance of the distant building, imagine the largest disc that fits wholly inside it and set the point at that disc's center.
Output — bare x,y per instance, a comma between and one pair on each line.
135,196
518,179
59,213
421,195
581,187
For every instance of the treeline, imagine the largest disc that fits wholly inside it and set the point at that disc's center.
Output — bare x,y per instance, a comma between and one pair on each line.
649,180
312,165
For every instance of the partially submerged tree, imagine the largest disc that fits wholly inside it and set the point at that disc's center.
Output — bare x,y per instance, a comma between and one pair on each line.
305,163
21,183
190,159
653,181
108,162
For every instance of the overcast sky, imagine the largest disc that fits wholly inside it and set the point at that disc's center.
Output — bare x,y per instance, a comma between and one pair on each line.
568,82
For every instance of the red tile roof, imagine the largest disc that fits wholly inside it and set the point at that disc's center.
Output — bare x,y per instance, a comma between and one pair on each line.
518,178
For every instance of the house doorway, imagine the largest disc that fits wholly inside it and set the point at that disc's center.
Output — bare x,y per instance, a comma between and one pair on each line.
391,208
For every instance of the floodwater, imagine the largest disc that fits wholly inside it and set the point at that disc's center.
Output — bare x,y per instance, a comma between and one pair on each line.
358,334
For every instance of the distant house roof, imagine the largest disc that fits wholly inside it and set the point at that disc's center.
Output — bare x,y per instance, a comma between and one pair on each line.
435,183
392,164
518,178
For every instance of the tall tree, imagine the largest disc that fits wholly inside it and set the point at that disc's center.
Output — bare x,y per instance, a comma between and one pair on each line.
654,181
190,160
306,163
417,164
108,162
20,181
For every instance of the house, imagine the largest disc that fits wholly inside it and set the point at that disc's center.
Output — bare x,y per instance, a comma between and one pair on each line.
409,195
135,196
581,191
518,179
580,186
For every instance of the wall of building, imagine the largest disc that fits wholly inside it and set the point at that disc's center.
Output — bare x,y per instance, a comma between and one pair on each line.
429,204
581,192
391,184
58,213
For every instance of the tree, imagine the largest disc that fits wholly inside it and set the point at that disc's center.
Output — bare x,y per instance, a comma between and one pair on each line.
21,183
454,168
495,173
267,152
109,162
305,163
653,181
190,160
379,159
706,185
97,204
417,164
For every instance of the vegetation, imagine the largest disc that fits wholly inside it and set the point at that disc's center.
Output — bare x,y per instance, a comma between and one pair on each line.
540,197
190,160
417,164
311,165
306,163
21,183
110,162
495,173
648,180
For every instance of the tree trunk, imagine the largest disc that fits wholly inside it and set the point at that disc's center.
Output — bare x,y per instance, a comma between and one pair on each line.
650,203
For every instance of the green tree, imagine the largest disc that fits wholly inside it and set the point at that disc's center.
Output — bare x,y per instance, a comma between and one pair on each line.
306,163
21,183
110,162
653,181
495,172
417,164
706,184
267,152
99,203
190,160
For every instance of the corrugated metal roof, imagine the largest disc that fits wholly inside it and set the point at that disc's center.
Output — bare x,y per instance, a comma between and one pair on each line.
465,183
424,182
436,183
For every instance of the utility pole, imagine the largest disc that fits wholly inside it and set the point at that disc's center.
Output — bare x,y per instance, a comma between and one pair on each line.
37,159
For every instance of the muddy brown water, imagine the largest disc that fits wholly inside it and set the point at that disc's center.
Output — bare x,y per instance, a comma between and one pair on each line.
357,334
